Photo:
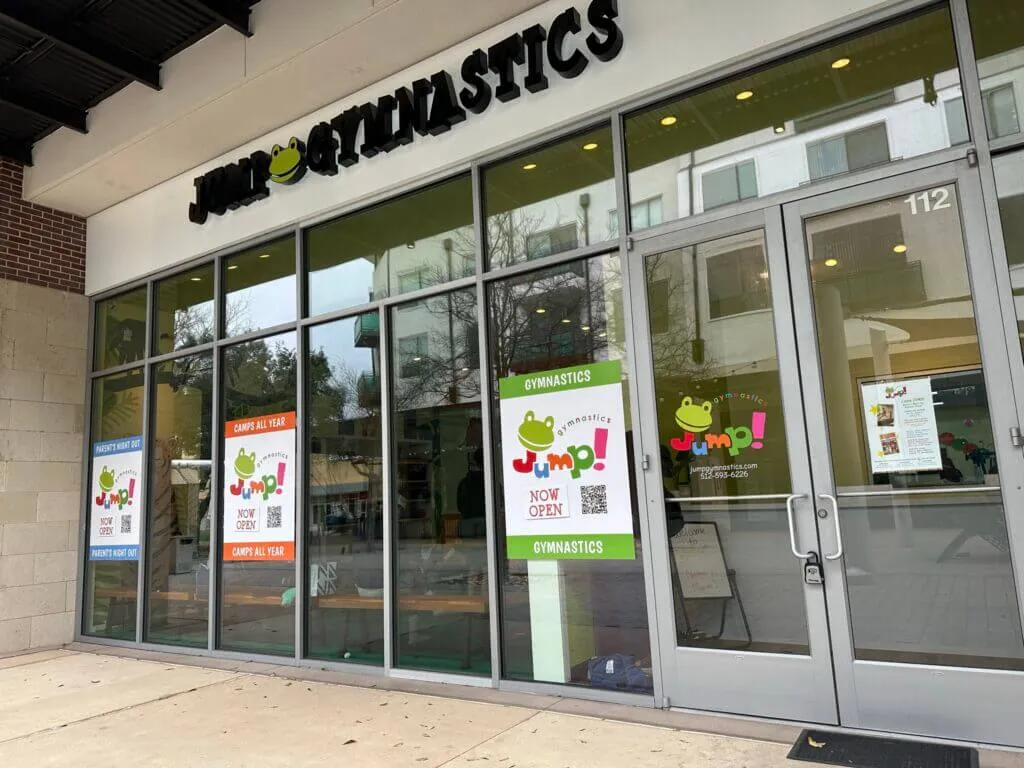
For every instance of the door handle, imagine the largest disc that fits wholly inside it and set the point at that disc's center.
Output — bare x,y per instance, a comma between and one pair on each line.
835,521
791,517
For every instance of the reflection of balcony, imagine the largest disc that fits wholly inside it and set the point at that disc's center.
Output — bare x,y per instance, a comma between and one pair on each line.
368,390
367,330
869,290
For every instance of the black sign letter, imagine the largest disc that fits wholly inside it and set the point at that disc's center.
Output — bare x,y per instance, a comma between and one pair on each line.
473,70
567,23
322,150
444,110
503,57
602,15
534,37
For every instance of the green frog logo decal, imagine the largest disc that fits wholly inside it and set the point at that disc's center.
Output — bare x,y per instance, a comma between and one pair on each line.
288,164
692,417
245,464
106,480
536,435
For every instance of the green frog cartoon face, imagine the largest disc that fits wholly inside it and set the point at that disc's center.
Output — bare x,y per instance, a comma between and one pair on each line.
106,479
536,435
245,464
692,417
288,164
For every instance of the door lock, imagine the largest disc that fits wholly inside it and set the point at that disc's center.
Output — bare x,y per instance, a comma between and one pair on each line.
813,573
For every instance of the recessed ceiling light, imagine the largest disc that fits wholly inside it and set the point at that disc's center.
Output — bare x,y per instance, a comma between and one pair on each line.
410,246
529,166
264,255
901,248
764,275
566,320
669,120
841,63
540,310
744,95
831,262
416,359
466,369
590,146
232,266
602,335
197,279
584,327
780,129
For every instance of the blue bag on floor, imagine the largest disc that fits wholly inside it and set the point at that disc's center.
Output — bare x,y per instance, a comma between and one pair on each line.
616,671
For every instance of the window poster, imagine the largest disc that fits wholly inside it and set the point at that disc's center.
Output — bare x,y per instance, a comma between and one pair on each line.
114,499
259,492
899,420
566,478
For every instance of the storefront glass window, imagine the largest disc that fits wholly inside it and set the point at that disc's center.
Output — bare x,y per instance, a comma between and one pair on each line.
438,501
180,496
997,27
257,586
551,200
567,316
184,310
111,573
345,531
415,241
120,330
260,288
872,99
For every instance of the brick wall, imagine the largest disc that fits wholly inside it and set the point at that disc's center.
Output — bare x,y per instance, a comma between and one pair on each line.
43,335
38,245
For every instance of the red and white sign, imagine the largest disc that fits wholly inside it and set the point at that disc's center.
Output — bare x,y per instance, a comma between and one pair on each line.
259,488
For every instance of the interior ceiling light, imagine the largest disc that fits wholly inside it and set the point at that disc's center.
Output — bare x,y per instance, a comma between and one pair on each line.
264,255
669,120
602,335
901,248
410,246
529,166
744,95
566,320
841,63
780,129
590,146
232,266
831,262
585,327
540,310
197,279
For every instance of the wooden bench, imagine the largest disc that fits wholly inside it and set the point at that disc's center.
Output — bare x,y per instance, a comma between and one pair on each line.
469,605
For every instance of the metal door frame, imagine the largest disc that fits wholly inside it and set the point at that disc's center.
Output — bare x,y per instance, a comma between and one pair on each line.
950,702
744,682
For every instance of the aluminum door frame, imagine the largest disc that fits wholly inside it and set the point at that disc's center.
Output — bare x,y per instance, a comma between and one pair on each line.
739,682
946,702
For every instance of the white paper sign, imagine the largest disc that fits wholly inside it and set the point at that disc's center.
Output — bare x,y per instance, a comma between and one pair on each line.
899,420
259,488
114,499
566,479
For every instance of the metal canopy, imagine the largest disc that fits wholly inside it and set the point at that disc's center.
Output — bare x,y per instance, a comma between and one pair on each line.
59,58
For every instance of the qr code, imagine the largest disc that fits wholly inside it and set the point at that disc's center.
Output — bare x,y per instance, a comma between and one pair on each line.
274,517
595,499
126,524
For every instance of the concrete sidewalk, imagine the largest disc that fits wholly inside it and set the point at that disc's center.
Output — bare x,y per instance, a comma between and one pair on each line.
88,709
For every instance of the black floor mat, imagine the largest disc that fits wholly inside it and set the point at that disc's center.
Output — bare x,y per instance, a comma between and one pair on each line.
849,749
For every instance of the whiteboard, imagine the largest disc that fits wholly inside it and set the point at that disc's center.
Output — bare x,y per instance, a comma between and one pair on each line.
700,563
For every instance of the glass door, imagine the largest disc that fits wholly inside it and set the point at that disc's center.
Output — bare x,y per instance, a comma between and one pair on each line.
827,421
917,484
742,624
